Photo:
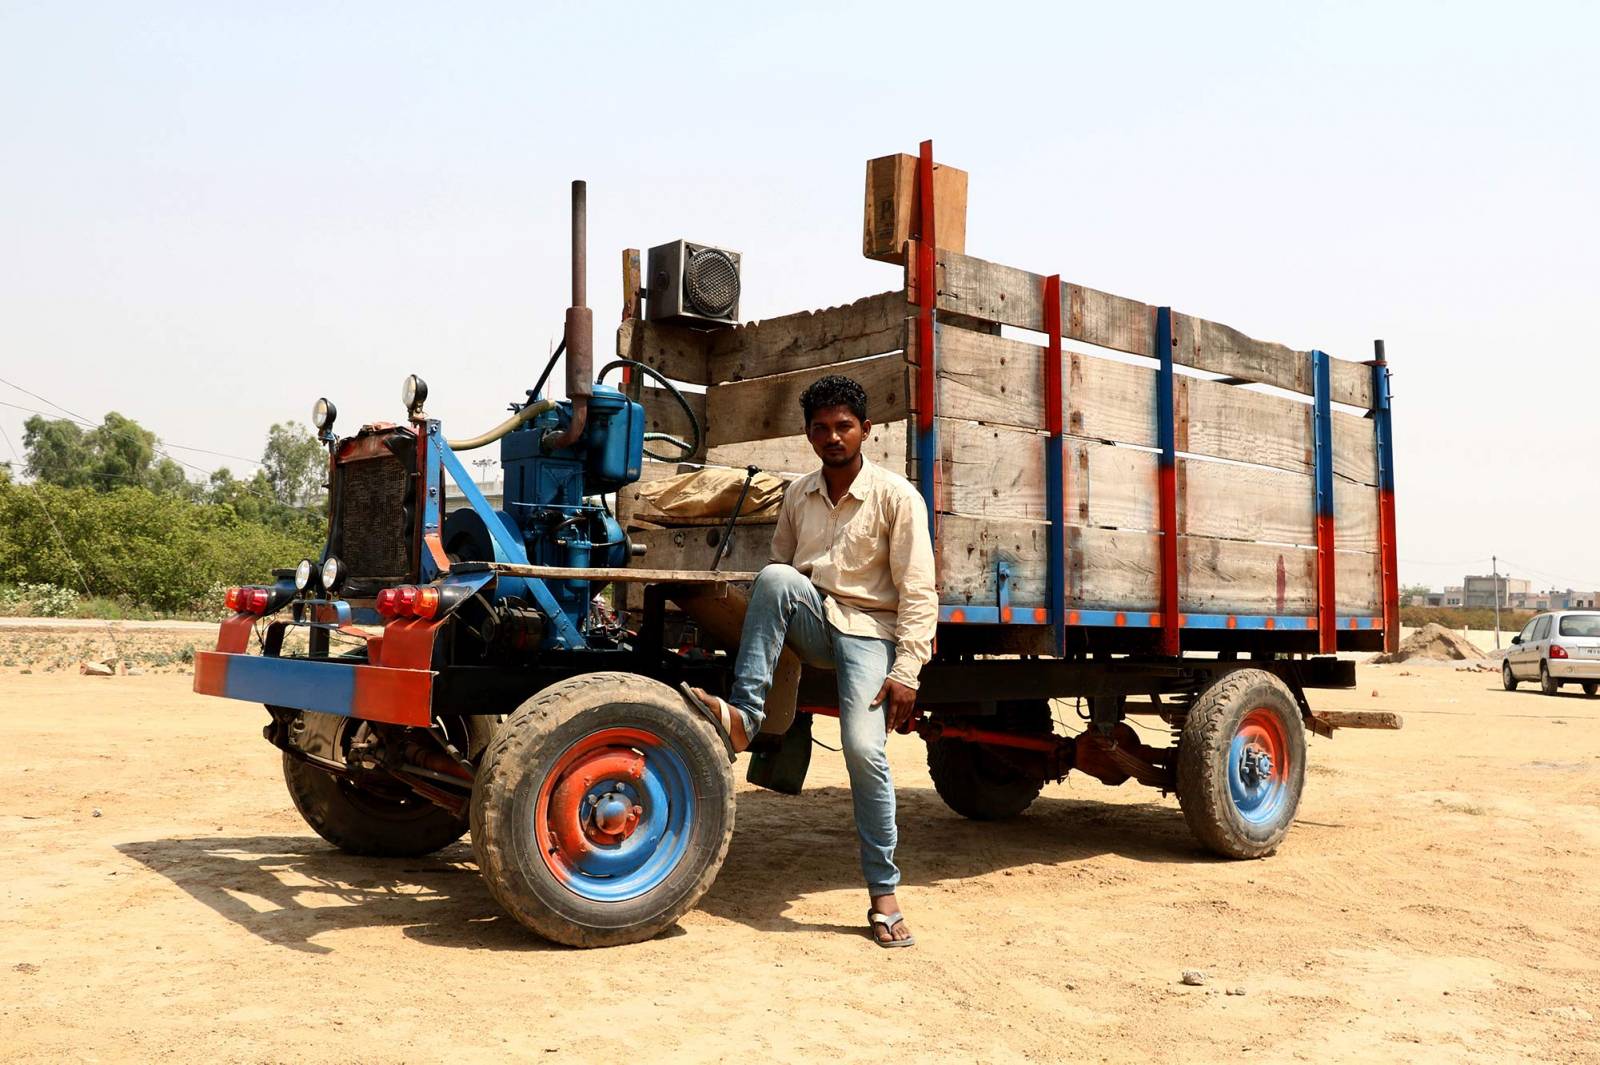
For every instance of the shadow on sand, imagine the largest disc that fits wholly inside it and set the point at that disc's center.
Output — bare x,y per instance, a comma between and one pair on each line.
290,889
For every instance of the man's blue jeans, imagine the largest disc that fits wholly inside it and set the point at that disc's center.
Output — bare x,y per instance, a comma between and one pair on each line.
785,605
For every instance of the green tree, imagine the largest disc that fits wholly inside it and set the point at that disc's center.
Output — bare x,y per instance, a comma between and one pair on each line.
117,453
295,465
1417,592
57,452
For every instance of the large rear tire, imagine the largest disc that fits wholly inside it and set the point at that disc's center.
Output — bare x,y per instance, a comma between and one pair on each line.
978,782
1242,764
376,817
602,810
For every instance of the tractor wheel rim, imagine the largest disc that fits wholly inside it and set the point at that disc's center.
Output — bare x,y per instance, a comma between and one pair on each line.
613,815
1258,767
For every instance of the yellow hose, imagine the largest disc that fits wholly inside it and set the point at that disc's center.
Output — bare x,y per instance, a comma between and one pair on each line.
528,413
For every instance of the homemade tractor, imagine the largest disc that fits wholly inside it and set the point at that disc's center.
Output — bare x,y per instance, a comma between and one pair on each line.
457,669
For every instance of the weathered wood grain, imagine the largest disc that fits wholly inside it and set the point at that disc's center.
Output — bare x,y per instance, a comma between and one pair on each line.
792,454
869,326
695,547
1114,569
766,407
663,415
675,352
991,291
1356,589
999,381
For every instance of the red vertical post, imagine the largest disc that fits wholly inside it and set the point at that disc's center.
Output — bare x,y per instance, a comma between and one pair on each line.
1167,482
927,343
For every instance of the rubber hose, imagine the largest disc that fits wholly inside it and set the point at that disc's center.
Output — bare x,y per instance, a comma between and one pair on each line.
526,414
694,423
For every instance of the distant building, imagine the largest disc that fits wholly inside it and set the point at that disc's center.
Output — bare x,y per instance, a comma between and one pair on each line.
1487,591
1448,597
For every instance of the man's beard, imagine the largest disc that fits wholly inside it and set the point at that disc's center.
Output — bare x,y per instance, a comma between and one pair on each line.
838,463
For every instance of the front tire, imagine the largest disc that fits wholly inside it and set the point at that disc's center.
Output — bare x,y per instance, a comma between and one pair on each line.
376,818
602,810
1548,684
1507,678
1242,764
984,784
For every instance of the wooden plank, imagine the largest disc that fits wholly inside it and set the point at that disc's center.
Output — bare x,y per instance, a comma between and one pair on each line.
1222,349
694,548
634,574
1115,569
1355,516
1006,294
997,472
1356,590
765,407
663,415
792,454
672,350
869,326
1355,448
631,285
1378,719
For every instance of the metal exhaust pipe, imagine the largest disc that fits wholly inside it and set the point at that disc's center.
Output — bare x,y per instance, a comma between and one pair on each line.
580,326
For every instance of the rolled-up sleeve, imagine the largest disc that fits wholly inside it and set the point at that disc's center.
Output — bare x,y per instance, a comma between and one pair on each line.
911,567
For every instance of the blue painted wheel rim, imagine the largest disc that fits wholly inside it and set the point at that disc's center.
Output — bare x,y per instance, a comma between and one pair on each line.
613,816
1258,767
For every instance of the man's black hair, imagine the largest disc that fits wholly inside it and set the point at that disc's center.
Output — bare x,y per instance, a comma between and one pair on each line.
834,390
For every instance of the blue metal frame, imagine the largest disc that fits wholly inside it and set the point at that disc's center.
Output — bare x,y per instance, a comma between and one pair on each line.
1167,483
441,459
928,436
1145,619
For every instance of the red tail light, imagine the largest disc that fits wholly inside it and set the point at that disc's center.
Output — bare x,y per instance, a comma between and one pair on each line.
249,600
1557,651
410,601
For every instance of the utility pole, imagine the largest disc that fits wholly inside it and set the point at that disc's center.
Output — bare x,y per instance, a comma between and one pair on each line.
1494,562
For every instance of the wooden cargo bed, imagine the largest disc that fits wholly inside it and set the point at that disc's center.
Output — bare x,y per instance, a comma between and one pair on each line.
1254,435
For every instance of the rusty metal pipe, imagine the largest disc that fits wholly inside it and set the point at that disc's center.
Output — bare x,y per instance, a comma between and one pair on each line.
580,327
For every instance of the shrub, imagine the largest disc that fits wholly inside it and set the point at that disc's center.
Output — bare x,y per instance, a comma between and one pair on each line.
132,544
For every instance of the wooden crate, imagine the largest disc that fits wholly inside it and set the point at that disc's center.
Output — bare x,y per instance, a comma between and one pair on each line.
1243,424
892,203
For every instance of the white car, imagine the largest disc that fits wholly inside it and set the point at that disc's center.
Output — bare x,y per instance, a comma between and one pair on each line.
1561,647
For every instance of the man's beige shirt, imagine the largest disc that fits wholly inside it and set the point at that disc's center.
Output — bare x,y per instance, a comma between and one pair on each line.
871,558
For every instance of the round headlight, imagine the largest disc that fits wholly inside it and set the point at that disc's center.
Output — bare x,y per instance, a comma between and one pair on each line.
322,414
414,393
332,574
303,574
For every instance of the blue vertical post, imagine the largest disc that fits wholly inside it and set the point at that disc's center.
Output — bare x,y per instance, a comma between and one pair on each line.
1322,437
1388,552
1055,474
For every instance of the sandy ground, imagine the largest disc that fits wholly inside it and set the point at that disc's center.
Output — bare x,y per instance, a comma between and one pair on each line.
1437,902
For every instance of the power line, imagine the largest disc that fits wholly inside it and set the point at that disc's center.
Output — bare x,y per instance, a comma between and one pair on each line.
81,420
157,447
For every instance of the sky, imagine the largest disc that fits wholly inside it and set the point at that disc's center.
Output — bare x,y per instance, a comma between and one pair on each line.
212,214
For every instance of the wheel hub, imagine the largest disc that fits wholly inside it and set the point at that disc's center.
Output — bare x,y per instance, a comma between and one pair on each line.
1255,767
613,815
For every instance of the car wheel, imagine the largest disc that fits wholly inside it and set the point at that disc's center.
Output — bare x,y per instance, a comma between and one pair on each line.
1547,684
1506,676
1590,687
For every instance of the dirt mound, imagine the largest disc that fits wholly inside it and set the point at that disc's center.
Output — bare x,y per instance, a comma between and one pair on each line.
1436,642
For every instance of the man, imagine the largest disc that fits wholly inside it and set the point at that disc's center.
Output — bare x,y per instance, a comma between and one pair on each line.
851,586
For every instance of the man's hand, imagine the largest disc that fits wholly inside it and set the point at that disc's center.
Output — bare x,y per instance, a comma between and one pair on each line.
900,703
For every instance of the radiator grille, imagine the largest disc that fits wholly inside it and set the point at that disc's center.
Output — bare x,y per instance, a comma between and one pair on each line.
375,539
